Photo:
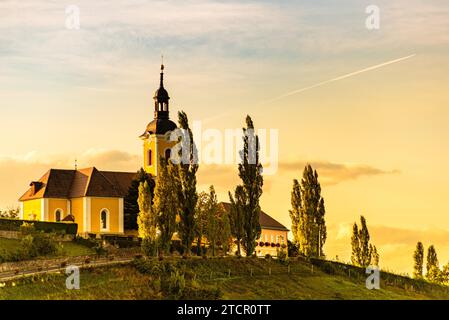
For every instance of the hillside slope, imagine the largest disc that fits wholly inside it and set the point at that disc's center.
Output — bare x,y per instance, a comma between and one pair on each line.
232,278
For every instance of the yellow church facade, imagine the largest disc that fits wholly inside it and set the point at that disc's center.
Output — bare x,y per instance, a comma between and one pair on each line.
91,198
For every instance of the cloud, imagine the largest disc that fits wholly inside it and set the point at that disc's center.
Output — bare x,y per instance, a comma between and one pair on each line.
17,172
333,173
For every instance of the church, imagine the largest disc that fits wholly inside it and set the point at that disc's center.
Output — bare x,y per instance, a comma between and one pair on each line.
94,199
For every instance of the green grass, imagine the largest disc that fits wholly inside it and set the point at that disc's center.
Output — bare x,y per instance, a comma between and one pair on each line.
69,249
8,244
97,283
125,282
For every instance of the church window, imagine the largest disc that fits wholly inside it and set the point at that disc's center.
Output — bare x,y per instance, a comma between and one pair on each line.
104,220
150,157
58,215
167,154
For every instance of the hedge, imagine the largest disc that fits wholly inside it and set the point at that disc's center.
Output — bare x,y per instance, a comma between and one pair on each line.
57,227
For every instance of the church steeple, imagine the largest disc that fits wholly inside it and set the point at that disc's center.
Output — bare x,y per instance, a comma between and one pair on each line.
161,98
156,143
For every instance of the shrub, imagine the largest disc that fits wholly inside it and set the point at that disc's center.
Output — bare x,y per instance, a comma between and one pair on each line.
99,249
175,285
268,256
90,243
45,226
149,248
282,255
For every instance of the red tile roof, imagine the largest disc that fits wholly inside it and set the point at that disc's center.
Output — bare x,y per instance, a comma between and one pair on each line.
89,182
266,221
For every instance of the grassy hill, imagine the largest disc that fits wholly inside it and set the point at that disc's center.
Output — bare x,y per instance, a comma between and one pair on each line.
69,248
224,278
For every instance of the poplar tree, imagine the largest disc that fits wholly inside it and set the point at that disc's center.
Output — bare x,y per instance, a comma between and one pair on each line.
363,252
375,256
365,249
130,202
418,258
295,212
237,216
311,230
432,266
146,220
188,196
213,227
201,216
355,244
166,203
250,171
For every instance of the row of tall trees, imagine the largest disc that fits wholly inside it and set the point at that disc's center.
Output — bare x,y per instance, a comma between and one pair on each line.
172,209
364,253
433,271
308,214
177,207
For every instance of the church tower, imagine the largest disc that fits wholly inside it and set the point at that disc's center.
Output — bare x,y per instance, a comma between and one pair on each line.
156,136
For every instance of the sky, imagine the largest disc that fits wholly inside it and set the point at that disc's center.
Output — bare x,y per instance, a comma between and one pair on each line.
375,131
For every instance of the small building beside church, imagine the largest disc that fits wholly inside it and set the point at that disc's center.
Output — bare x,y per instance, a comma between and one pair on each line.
94,199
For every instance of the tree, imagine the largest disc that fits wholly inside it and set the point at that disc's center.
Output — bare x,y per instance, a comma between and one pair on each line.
188,194
375,256
213,229
363,252
250,172
201,217
311,225
418,258
147,220
166,203
295,212
237,216
365,249
355,244
225,234
131,206
432,266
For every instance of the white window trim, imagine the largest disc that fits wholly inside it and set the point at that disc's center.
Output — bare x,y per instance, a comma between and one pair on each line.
108,220
62,214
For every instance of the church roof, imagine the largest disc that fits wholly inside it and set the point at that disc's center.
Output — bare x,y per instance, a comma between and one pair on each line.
159,126
89,182
265,220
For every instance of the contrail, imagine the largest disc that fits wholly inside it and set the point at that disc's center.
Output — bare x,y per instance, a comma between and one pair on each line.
377,66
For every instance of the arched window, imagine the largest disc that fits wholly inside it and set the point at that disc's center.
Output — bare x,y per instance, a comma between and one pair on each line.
150,157
58,215
104,220
167,154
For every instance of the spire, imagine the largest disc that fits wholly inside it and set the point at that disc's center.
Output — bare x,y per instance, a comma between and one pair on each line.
161,97
162,72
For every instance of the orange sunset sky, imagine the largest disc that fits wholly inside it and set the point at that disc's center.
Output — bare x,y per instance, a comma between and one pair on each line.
378,138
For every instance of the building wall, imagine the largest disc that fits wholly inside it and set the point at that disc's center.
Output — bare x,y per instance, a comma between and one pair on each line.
112,205
78,213
158,144
271,236
32,209
55,204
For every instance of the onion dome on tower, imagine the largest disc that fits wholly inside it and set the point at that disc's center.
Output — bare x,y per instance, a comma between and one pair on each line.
161,123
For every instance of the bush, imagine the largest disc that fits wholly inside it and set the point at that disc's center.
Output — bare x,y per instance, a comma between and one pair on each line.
149,248
47,227
174,286
282,255
90,243
33,244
